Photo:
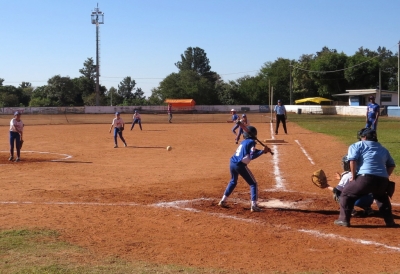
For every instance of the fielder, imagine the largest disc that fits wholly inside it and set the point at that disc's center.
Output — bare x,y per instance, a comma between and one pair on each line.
235,117
238,166
118,125
136,120
16,130
372,114
245,122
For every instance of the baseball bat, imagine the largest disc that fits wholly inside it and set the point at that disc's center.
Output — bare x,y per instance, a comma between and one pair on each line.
239,123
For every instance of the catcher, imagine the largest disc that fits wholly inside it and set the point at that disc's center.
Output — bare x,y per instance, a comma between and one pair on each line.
365,202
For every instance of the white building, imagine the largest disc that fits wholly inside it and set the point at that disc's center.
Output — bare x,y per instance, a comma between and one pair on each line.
359,97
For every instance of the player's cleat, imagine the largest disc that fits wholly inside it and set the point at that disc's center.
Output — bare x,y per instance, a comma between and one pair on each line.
255,208
11,158
223,204
125,145
341,223
392,225
17,159
115,146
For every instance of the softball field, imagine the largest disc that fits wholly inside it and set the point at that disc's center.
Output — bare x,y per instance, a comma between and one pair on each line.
145,203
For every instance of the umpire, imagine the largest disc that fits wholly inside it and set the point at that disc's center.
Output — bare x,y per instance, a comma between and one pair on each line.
280,112
371,165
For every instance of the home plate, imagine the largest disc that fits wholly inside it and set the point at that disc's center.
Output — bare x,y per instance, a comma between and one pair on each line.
275,203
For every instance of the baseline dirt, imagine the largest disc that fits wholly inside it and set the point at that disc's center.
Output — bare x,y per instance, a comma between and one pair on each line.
145,203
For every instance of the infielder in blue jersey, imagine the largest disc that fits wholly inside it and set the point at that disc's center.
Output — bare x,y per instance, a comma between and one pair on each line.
235,117
238,166
372,114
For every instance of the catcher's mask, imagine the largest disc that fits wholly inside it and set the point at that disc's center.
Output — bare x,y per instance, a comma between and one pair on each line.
368,133
252,134
345,163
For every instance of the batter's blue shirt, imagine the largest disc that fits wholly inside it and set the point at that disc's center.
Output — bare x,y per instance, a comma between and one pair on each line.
372,109
246,152
280,109
235,117
371,158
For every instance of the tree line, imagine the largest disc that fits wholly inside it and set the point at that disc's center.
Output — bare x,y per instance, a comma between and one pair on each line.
324,74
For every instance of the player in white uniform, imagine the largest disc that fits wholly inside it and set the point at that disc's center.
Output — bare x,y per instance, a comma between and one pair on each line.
118,125
136,120
16,130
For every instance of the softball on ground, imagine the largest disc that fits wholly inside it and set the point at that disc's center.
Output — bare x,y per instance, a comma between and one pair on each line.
169,148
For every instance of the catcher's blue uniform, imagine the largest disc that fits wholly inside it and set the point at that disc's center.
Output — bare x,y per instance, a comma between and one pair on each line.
238,166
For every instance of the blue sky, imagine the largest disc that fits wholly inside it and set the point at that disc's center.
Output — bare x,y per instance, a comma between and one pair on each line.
143,39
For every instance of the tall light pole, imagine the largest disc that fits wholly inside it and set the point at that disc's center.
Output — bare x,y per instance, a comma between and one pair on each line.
97,18
290,75
398,77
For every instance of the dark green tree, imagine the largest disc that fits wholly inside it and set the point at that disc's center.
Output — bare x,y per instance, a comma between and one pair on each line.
278,75
194,59
327,71
61,90
126,88
303,85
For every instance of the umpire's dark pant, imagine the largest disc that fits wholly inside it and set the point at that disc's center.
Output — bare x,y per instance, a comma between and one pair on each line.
280,118
363,185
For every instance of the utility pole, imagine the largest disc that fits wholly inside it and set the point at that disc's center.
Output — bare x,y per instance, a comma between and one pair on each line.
398,77
97,18
290,75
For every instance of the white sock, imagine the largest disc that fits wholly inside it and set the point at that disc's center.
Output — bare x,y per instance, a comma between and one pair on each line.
224,198
253,203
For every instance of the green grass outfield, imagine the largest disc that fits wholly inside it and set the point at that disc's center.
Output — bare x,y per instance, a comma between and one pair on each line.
345,129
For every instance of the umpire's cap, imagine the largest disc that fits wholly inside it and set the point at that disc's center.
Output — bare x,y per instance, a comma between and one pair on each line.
117,113
17,113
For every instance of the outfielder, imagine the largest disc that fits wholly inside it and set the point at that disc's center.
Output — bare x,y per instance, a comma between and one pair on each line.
238,166
16,130
118,125
136,120
372,114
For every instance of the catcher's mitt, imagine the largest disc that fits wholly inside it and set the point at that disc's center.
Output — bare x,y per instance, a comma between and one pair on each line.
121,129
319,179
21,143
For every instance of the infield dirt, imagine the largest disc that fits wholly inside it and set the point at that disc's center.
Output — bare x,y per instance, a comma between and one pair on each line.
145,203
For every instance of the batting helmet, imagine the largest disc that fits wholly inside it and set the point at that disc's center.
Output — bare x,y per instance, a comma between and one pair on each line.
369,134
252,134
345,163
